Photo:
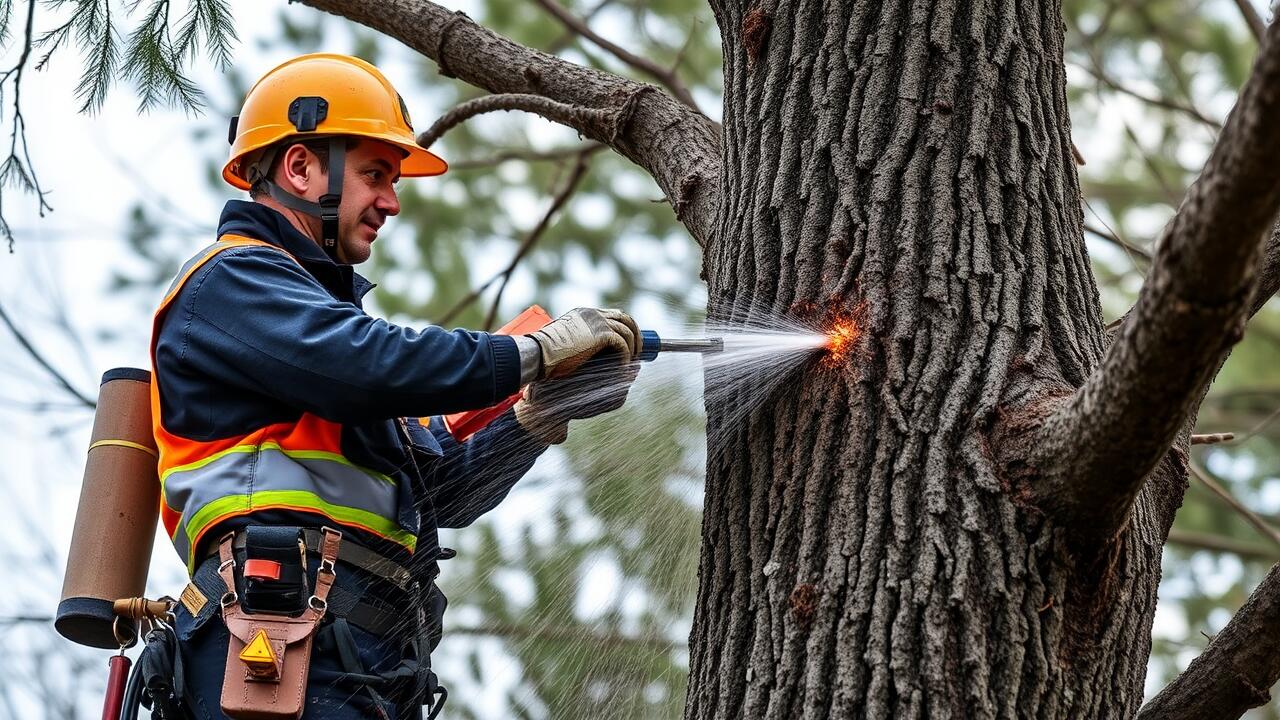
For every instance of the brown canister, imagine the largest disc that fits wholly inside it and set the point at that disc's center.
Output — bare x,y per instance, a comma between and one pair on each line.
116,518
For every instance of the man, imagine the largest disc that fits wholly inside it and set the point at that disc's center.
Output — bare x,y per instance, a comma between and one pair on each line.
280,408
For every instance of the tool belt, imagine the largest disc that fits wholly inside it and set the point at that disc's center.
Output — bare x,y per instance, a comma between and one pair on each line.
272,589
269,653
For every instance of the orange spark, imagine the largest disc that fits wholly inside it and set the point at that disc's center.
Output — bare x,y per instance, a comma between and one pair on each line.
841,339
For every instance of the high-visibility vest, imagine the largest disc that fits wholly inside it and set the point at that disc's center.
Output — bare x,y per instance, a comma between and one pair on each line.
283,466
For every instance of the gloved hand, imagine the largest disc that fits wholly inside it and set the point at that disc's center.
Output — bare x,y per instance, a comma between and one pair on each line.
579,335
598,387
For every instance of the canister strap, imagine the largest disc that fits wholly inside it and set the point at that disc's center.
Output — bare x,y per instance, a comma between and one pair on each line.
128,444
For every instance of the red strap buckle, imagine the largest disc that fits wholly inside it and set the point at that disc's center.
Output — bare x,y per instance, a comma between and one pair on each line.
259,569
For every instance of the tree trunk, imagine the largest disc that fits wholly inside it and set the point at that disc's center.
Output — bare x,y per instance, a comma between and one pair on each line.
868,547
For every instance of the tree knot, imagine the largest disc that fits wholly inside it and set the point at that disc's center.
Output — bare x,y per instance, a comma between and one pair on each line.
441,62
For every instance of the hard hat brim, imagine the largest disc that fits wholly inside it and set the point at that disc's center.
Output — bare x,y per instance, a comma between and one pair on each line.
418,161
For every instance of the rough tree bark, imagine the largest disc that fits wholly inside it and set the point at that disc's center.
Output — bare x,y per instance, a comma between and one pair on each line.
864,554
879,541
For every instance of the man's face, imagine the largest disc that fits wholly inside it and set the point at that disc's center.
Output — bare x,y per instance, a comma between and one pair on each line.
368,197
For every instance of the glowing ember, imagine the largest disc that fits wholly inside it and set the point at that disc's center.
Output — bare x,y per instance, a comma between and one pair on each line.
840,341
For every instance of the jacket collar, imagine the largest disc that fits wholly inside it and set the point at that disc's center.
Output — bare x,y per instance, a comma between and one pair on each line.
255,220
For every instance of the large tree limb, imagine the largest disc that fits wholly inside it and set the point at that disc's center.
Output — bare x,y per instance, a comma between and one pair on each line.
1236,671
1094,452
676,144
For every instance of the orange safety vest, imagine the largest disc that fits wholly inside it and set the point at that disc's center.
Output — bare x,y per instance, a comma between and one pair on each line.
284,466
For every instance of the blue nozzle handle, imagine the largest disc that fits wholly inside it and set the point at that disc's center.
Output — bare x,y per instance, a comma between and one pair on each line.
650,345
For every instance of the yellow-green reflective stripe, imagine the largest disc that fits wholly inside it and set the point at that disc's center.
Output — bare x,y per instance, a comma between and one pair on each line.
271,445
301,499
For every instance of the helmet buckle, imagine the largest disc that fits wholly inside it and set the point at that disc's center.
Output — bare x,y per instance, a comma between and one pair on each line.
307,112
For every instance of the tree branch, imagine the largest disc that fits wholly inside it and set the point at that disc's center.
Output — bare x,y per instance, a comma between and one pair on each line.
571,115
677,145
666,77
525,155
1221,544
1262,526
1236,671
526,245
1190,312
40,360
570,186
1252,19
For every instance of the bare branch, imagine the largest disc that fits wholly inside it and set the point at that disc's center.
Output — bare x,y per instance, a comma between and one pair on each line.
1262,526
1192,309
571,115
1221,544
1161,102
525,155
570,186
580,169
1132,250
677,145
40,360
666,77
1212,438
1235,672
1252,19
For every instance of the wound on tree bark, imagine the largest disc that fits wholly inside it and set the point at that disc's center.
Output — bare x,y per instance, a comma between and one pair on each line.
755,32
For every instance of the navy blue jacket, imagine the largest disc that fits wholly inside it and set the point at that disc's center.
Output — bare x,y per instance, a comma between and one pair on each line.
255,338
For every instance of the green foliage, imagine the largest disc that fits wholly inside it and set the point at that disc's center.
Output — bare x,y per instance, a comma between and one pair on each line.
153,57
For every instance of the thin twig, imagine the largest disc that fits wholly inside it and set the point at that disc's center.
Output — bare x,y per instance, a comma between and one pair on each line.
1133,250
1262,526
1161,102
42,362
524,155
1219,543
1212,438
667,77
1253,432
14,163
570,186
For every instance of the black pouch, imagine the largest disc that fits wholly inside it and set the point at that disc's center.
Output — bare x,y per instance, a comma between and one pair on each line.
274,571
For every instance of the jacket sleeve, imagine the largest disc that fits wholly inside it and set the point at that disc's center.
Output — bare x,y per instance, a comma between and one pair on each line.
254,319
472,477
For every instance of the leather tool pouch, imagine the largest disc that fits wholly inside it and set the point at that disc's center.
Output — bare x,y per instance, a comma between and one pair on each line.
269,655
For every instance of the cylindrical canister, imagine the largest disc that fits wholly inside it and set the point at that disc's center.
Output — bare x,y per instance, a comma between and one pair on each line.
116,519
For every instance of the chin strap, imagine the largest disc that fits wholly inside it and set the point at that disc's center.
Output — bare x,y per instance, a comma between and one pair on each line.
327,208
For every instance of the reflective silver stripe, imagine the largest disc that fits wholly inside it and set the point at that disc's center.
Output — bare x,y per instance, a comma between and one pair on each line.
268,469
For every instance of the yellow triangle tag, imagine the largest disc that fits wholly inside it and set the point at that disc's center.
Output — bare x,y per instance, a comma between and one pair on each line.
258,651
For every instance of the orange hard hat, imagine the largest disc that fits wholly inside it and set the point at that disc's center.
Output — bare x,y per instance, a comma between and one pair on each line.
322,95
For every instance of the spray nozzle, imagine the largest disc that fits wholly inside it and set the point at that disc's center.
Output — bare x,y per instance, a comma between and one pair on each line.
652,344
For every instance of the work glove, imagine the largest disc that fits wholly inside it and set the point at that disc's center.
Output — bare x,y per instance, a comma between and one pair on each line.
598,387
579,335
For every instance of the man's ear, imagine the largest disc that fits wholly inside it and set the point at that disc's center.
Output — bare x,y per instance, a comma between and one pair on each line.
296,173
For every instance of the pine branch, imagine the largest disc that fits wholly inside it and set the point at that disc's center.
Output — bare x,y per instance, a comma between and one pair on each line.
1094,452
677,145
1236,671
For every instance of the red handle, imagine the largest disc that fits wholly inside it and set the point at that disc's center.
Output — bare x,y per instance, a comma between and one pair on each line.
116,681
